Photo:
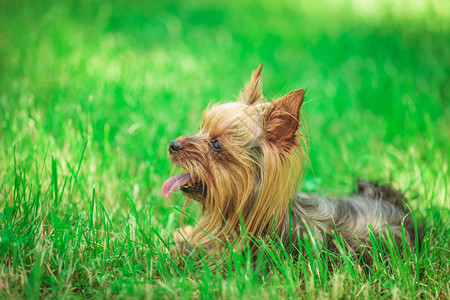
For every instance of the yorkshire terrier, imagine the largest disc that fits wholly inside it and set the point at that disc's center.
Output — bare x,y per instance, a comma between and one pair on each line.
244,167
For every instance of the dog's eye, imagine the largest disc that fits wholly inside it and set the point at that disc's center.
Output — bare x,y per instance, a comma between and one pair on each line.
216,146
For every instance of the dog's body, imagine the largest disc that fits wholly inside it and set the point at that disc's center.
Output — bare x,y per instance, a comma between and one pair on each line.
374,206
244,167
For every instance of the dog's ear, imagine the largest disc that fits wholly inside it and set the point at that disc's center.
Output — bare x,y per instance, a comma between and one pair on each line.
252,93
281,120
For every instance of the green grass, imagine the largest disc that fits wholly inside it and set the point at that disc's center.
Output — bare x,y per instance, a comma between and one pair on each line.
92,91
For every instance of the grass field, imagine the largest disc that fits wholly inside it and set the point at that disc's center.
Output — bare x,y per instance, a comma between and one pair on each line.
91,92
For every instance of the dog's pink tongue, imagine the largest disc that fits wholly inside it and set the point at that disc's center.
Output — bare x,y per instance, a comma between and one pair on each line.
175,182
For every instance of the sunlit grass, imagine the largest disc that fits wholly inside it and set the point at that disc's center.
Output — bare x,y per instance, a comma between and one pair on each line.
91,93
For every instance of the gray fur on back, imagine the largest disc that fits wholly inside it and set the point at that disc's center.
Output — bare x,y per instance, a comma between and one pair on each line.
350,218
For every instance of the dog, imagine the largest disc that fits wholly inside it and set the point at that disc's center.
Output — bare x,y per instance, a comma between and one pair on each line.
244,167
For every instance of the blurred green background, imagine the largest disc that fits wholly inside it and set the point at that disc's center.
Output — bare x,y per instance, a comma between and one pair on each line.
126,77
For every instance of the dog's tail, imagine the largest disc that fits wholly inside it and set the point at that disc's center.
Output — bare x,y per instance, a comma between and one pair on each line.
381,192
387,193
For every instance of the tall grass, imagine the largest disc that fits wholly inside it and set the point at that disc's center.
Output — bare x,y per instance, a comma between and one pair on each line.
92,91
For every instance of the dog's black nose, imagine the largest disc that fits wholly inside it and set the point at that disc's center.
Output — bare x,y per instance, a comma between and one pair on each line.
175,146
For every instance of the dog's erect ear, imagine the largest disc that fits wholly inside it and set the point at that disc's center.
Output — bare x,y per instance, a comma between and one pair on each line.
252,93
281,120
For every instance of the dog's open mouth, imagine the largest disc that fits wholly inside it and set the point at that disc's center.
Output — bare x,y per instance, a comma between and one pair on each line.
185,183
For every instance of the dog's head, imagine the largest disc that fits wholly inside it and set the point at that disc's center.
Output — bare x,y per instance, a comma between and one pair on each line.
246,154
